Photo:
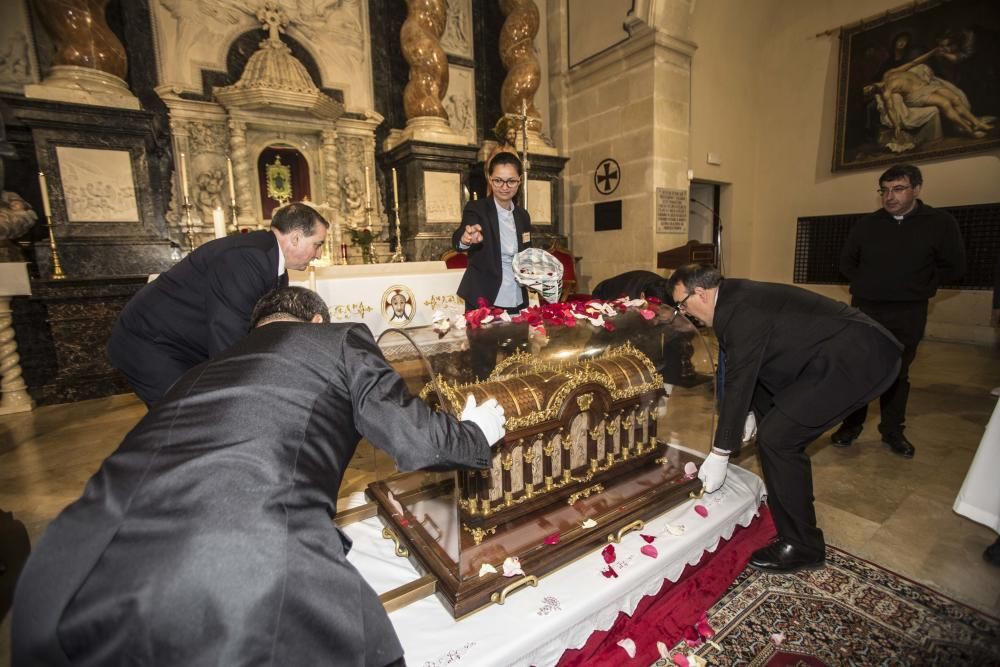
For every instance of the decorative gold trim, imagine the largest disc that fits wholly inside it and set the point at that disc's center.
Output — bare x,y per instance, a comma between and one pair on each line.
596,432
528,454
345,311
627,424
401,551
447,300
574,497
478,533
583,401
612,427
700,493
508,461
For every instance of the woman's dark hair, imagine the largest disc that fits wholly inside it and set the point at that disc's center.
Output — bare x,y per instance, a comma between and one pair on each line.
504,157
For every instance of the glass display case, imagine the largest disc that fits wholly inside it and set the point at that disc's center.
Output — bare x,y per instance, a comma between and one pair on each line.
592,449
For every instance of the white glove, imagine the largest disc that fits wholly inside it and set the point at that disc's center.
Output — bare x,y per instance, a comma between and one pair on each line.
749,428
489,417
712,472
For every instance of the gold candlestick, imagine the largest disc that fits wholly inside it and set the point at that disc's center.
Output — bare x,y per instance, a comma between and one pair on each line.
190,225
397,256
57,272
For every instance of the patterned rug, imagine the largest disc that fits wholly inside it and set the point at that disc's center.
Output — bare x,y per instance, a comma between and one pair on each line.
850,612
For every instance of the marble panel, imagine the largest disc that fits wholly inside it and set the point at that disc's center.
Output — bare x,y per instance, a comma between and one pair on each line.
460,102
457,37
443,196
97,185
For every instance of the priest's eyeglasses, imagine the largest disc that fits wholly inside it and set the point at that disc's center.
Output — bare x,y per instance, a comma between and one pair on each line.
897,190
508,182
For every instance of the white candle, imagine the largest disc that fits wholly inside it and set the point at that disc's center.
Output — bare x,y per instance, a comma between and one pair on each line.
312,278
45,194
368,194
395,190
232,183
184,179
219,222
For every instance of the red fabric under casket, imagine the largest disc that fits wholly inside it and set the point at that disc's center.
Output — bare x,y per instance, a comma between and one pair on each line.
664,616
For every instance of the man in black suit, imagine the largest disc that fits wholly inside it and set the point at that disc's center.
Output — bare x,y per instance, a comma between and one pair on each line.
634,284
800,362
207,537
492,231
202,305
896,258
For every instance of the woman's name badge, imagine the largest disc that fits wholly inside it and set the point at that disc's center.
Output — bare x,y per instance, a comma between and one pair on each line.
526,237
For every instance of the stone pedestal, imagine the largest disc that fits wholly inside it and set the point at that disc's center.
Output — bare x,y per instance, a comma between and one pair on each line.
86,149
83,85
62,330
433,185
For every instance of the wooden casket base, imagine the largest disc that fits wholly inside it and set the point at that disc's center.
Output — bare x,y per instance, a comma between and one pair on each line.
618,505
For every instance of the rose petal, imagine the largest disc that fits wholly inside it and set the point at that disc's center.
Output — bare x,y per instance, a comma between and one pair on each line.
609,554
404,522
648,538
701,510
675,530
777,638
552,539
628,645
589,523
663,650
609,572
703,628
690,468
647,314
649,550
512,567
485,569
680,660
691,636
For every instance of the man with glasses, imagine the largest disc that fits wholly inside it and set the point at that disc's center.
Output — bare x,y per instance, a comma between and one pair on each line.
800,362
896,258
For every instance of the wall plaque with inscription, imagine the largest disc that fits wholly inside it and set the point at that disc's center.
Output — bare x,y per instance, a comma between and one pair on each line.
671,211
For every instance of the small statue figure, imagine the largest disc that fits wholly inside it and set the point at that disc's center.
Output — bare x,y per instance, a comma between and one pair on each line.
209,195
352,199
506,133
16,218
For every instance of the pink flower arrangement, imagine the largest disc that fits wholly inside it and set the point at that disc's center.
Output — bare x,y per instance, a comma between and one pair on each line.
595,311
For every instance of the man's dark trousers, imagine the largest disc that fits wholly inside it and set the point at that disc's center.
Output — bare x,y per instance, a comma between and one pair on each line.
906,320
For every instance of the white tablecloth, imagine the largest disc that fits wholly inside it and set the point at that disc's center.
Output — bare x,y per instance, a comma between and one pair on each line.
536,625
979,497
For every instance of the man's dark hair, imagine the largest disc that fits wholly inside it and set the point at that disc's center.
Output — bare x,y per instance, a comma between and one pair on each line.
504,157
695,275
296,302
898,171
659,289
297,216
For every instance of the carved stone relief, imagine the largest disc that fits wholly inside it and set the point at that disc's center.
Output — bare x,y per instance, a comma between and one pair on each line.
442,196
460,102
207,137
191,36
98,185
457,37
351,151
17,52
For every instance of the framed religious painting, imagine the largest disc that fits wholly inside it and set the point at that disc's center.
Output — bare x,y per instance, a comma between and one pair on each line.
919,83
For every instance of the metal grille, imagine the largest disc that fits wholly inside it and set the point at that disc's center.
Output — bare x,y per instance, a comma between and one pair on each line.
819,239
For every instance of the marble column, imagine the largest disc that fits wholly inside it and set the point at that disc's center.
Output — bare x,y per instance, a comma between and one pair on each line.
90,62
517,52
243,170
331,189
13,392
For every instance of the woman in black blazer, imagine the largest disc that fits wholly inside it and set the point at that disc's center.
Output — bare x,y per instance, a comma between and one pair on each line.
491,245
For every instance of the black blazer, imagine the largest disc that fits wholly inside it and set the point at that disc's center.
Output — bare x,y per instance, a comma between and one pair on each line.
202,305
813,356
206,537
483,276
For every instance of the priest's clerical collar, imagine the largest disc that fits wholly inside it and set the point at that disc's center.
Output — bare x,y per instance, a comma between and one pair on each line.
281,261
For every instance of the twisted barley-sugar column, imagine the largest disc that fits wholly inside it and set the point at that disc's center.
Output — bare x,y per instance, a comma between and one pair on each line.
421,43
239,154
81,35
517,52
13,392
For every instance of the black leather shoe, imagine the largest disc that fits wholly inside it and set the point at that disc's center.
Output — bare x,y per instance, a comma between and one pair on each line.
845,435
899,444
992,553
784,557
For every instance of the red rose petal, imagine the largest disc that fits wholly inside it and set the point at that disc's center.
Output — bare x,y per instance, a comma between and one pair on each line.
609,554
405,523
648,538
691,636
609,572
649,550
552,539
701,510
680,660
703,628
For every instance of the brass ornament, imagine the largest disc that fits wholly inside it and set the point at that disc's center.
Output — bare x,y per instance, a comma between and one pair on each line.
478,533
586,493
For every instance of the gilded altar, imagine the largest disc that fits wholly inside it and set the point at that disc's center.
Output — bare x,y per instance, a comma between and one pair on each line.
581,463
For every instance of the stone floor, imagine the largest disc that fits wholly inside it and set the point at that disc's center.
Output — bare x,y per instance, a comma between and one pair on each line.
891,511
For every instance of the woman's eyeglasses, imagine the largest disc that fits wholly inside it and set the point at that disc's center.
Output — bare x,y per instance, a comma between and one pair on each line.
509,182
